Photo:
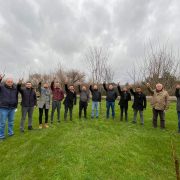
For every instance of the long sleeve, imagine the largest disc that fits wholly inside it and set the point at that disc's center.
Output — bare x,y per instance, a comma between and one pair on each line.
19,88
150,90
119,90
52,86
90,88
177,93
66,88
132,92
104,85
39,88
79,88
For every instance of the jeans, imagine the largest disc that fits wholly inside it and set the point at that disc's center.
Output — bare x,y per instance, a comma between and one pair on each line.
55,105
26,110
108,106
95,106
141,116
178,120
161,114
5,114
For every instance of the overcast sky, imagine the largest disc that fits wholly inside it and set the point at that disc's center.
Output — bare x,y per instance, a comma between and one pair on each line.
36,34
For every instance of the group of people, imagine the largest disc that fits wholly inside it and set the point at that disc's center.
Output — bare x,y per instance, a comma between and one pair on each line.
9,101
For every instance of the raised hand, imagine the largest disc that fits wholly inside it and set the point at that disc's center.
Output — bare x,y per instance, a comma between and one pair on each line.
147,84
178,86
20,81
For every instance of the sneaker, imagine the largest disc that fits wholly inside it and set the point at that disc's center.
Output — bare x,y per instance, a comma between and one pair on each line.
30,128
46,125
40,126
22,130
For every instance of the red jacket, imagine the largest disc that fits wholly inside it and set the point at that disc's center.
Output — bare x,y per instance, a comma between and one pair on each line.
58,94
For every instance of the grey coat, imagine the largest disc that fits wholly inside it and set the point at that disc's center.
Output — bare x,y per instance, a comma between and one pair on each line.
177,94
44,99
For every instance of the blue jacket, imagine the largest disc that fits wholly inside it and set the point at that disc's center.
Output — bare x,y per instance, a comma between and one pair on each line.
8,96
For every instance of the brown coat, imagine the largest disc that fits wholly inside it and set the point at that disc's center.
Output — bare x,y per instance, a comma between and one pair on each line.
160,100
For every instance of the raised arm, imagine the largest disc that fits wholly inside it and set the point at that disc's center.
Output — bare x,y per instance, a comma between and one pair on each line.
19,85
177,92
90,88
132,91
104,86
39,87
79,88
66,88
119,89
149,89
52,86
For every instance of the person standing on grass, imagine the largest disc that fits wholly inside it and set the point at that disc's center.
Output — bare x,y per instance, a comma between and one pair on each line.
44,103
8,104
139,104
29,100
57,97
83,102
96,99
160,103
111,96
177,94
70,101
123,103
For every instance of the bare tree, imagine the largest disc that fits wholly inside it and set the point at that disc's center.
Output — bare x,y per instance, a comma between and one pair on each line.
75,76
159,64
97,62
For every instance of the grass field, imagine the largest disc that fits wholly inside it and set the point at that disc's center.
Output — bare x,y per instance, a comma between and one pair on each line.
92,149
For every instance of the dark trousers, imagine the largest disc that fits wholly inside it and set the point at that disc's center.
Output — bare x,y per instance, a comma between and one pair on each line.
25,111
155,117
70,109
82,106
55,105
41,115
124,109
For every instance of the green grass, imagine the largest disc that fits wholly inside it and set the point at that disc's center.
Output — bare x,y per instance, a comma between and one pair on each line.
92,149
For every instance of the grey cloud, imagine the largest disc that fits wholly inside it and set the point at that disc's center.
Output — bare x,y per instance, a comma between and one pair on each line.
36,32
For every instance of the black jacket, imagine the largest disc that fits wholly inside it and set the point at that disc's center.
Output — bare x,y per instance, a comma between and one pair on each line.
70,99
28,96
140,102
111,95
125,97
8,96
96,95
